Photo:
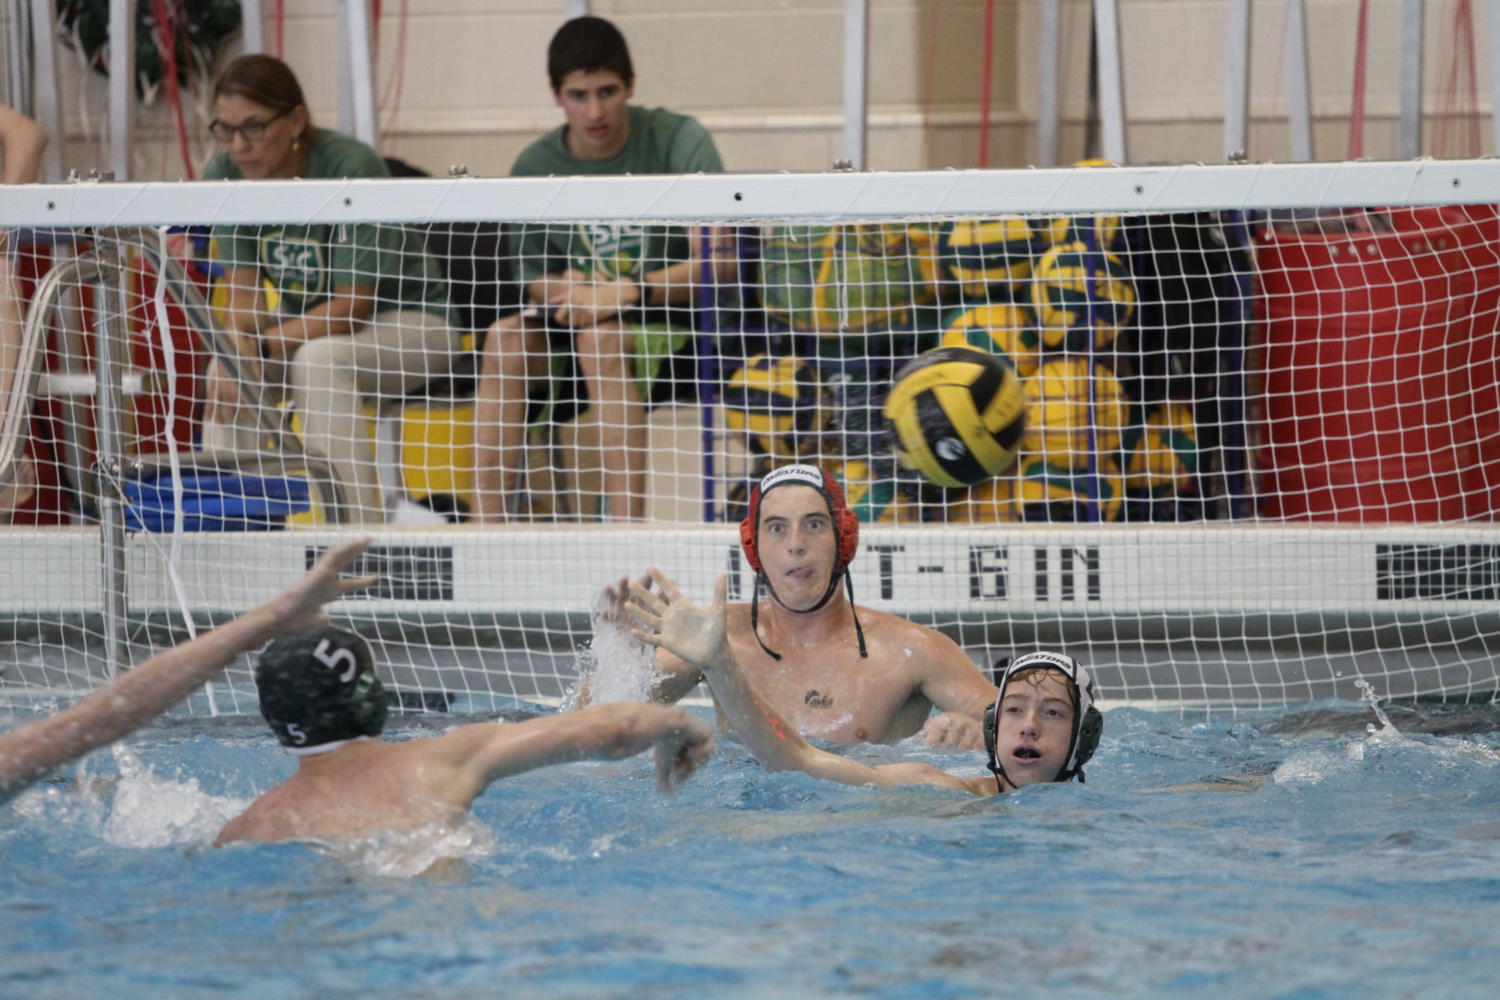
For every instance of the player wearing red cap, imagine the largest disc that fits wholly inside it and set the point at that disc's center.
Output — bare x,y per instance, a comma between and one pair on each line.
834,671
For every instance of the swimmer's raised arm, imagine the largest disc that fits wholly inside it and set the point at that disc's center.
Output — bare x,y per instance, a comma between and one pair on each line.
144,692
487,752
696,634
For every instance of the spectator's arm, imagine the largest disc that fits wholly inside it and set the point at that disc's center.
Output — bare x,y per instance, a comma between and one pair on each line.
342,312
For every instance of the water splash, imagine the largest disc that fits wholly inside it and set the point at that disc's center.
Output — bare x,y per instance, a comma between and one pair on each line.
1369,697
614,666
442,849
151,811
1311,767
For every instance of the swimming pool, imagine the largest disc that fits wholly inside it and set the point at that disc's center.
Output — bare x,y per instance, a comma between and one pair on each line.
1365,864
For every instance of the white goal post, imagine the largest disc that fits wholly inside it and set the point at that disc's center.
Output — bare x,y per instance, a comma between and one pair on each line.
1262,459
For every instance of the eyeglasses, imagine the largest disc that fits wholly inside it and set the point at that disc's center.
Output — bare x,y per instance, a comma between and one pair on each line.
252,131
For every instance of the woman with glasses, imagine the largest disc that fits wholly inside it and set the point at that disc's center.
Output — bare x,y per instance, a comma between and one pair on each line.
335,317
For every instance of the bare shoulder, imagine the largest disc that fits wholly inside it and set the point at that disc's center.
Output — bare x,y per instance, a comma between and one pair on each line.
236,829
902,636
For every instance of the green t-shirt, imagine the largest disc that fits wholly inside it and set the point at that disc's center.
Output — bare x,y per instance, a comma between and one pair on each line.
661,142
306,263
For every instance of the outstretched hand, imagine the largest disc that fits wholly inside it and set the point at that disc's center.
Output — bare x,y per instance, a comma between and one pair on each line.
681,752
299,608
953,731
668,620
613,606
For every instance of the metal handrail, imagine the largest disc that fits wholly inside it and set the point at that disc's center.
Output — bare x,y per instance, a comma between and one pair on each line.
290,449
290,452
33,331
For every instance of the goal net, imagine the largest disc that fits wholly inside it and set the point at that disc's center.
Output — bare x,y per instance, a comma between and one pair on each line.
1260,462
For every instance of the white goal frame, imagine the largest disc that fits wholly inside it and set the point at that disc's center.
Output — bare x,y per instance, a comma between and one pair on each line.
1257,614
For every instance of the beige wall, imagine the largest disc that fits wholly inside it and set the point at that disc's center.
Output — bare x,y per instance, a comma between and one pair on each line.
766,77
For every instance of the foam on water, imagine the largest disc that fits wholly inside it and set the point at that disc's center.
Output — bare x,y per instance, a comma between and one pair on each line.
148,810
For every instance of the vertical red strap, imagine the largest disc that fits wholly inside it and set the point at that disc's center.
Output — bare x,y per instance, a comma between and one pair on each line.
1463,33
1456,130
166,45
1357,98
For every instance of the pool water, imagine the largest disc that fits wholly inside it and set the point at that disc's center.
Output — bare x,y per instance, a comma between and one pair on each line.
1321,853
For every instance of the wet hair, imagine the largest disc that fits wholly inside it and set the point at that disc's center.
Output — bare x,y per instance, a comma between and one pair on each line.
265,80
590,44
318,688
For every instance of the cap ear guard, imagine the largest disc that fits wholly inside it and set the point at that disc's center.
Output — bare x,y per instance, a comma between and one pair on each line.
1089,732
747,530
370,705
846,522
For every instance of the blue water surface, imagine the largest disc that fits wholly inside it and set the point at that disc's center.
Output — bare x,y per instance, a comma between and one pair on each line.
1292,855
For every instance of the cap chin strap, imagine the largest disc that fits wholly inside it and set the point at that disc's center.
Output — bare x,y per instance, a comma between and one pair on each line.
992,745
833,585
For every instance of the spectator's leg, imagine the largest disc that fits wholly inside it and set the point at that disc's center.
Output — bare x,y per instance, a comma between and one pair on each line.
233,427
515,353
333,378
606,355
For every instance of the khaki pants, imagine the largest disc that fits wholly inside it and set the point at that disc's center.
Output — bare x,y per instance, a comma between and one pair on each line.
332,380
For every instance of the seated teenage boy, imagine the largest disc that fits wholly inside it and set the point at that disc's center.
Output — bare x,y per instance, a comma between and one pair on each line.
605,292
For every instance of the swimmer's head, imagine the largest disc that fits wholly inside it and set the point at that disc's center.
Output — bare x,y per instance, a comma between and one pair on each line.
1043,719
845,523
846,542
319,688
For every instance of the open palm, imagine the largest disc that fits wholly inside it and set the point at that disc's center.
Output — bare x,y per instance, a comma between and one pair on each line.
669,620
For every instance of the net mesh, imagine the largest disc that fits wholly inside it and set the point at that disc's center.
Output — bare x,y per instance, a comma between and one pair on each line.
1229,451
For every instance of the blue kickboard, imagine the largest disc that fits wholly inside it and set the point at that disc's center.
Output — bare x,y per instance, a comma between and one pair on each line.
215,502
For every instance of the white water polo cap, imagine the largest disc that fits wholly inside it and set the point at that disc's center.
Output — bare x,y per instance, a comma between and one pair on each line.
1088,721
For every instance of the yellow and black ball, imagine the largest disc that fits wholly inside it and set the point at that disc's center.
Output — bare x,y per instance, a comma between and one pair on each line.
956,415
1073,291
774,402
982,255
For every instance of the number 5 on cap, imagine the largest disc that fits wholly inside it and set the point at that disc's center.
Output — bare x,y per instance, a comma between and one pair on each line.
337,658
